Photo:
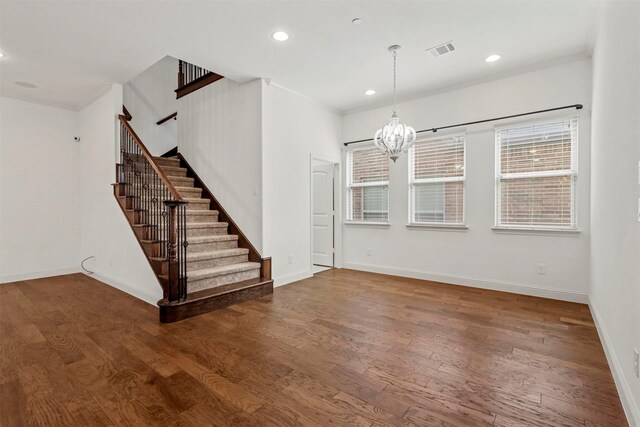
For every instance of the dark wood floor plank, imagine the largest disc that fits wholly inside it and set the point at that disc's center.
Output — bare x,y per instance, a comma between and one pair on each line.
341,348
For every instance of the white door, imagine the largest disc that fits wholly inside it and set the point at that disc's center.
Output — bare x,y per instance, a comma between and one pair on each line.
323,214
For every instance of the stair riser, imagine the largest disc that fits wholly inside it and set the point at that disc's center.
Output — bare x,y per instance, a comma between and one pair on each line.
145,233
174,172
209,231
143,165
151,249
135,217
212,246
202,232
178,181
211,216
216,262
165,161
168,162
194,219
196,285
159,267
193,193
199,205
193,205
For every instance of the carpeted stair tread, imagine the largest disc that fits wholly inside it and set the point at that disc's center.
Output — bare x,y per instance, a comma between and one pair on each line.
207,225
202,212
222,270
220,253
214,238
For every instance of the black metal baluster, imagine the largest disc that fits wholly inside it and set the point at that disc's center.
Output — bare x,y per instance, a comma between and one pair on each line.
180,254
147,195
185,245
165,230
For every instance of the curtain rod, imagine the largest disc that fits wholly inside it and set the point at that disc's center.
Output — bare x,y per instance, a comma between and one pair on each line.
576,106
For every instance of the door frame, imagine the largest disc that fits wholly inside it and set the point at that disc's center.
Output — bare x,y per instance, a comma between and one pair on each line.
337,212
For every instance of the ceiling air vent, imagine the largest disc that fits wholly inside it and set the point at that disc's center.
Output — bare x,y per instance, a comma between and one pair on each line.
441,49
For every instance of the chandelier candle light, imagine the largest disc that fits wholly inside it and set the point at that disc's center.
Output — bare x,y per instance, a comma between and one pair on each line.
395,138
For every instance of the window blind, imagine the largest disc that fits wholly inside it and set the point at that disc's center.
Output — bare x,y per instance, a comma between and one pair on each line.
437,180
367,185
536,169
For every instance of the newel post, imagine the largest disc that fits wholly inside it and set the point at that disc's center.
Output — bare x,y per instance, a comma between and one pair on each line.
173,291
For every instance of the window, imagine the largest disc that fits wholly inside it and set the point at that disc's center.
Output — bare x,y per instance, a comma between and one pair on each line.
367,186
436,181
536,167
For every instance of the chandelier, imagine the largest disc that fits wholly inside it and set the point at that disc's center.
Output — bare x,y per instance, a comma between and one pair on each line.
395,138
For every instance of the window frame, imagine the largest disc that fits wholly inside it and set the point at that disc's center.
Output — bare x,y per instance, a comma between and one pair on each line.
412,182
572,173
350,185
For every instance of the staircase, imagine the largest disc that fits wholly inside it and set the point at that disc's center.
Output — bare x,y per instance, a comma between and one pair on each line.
202,259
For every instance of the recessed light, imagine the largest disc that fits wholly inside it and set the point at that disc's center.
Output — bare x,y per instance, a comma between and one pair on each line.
492,58
280,36
1,54
356,21
27,85
369,92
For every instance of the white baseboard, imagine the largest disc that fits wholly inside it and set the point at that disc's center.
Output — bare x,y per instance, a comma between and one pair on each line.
132,290
630,406
38,274
515,288
290,278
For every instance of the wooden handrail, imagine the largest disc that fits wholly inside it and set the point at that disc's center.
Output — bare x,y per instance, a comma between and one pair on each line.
126,113
166,119
149,157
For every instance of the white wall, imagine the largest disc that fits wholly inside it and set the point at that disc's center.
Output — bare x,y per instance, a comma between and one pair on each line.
104,230
220,135
480,256
615,241
149,97
294,128
39,208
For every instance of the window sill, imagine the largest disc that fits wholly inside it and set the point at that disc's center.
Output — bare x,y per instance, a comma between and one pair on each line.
536,230
443,227
367,224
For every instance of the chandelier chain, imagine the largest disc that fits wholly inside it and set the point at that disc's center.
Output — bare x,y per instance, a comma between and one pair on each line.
394,81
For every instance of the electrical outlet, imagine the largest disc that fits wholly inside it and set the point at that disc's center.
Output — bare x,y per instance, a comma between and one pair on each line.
290,259
541,268
368,251
636,362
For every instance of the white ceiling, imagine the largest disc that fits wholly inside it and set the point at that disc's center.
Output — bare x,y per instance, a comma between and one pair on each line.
74,49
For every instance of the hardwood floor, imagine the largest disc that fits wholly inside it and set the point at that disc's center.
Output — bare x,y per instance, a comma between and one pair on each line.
341,348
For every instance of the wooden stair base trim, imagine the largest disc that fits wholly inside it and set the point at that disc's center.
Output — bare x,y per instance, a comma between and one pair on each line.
203,81
207,300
